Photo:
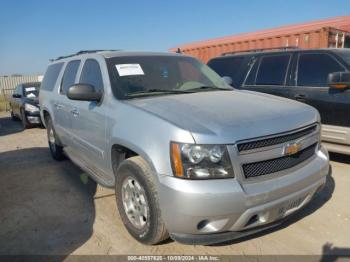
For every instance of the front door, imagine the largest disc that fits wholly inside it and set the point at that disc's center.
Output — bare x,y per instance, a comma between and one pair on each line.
89,119
311,87
63,106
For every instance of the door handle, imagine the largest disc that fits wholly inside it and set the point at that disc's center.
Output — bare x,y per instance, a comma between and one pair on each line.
300,97
75,112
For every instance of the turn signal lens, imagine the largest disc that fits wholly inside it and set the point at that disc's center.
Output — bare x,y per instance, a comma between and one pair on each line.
176,157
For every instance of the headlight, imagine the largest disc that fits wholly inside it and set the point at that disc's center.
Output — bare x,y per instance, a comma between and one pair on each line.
31,108
200,161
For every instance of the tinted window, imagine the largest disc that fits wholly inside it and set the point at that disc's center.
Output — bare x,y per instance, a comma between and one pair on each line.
229,66
272,70
313,69
17,92
250,80
51,76
91,74
69,75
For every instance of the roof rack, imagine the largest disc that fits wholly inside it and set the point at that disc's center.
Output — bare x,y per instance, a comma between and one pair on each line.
81,52
283,48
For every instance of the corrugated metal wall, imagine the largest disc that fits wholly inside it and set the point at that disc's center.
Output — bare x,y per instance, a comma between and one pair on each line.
333,32
8,84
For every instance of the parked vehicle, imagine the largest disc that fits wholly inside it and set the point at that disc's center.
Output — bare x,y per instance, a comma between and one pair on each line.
188,157
24,104
318,77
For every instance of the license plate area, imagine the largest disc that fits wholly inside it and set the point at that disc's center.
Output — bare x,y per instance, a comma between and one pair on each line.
291,206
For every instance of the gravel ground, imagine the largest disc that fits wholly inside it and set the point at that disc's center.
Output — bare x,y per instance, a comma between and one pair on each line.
46,207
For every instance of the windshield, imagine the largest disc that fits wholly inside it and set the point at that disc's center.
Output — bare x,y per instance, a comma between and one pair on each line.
137,76
345,54
31,91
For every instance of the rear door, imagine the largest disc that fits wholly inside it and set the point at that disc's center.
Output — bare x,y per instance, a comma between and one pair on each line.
311,87
63,106
89,118
269,74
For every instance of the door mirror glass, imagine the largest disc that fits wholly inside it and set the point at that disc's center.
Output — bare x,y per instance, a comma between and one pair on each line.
83,92
16,96
227,80
339,80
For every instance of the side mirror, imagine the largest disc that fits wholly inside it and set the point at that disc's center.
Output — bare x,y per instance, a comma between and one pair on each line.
227,80
339,80
16,96
83,92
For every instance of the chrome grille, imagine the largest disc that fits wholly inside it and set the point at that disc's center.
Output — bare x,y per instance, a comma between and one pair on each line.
246,146
274,165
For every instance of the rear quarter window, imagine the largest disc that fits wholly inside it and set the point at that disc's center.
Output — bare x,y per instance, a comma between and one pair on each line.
230,66
50,77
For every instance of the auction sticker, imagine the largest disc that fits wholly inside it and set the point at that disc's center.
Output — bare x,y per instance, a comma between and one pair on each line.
129,69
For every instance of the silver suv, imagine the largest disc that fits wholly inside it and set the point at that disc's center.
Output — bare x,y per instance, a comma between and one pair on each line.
189,156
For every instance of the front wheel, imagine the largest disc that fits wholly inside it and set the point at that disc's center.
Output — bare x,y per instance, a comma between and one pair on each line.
138,203
24,121
55,148
13,117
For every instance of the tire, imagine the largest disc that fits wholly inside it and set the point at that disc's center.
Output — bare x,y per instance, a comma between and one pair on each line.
55,148
132,173
13,117
24,121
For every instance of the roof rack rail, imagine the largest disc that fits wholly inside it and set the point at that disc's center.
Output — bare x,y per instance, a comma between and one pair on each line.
284,48
81,52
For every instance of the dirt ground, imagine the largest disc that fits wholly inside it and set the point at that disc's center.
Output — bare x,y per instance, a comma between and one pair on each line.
46,208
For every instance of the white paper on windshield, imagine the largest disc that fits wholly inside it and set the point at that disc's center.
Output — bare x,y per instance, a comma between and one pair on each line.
28,89
129,69
31,95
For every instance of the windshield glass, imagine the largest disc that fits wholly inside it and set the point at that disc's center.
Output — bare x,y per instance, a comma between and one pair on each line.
137,76
345,54
31,91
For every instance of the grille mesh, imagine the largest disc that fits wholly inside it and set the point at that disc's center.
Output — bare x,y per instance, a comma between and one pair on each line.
275,140
277,164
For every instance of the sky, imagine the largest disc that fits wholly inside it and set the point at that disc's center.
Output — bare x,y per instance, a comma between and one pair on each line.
34,31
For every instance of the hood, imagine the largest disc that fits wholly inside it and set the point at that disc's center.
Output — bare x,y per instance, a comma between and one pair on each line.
229,116
32,100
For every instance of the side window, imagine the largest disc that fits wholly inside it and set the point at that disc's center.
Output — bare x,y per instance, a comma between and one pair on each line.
250,79
16,92
272,70
91,74
51,76
69,75
313,69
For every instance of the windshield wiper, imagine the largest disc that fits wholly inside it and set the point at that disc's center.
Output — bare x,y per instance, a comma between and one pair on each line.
209,88
157,90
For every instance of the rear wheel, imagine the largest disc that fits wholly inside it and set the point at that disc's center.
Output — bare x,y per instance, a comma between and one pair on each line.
55,148
137,201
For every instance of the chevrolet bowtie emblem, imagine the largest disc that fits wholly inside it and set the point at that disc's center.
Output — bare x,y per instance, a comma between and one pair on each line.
291,149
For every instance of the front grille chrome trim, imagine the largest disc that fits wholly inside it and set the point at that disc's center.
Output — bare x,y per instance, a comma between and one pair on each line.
266,167
270,142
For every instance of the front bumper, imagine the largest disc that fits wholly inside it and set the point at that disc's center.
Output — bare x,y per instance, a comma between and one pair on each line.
211,211
33,118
